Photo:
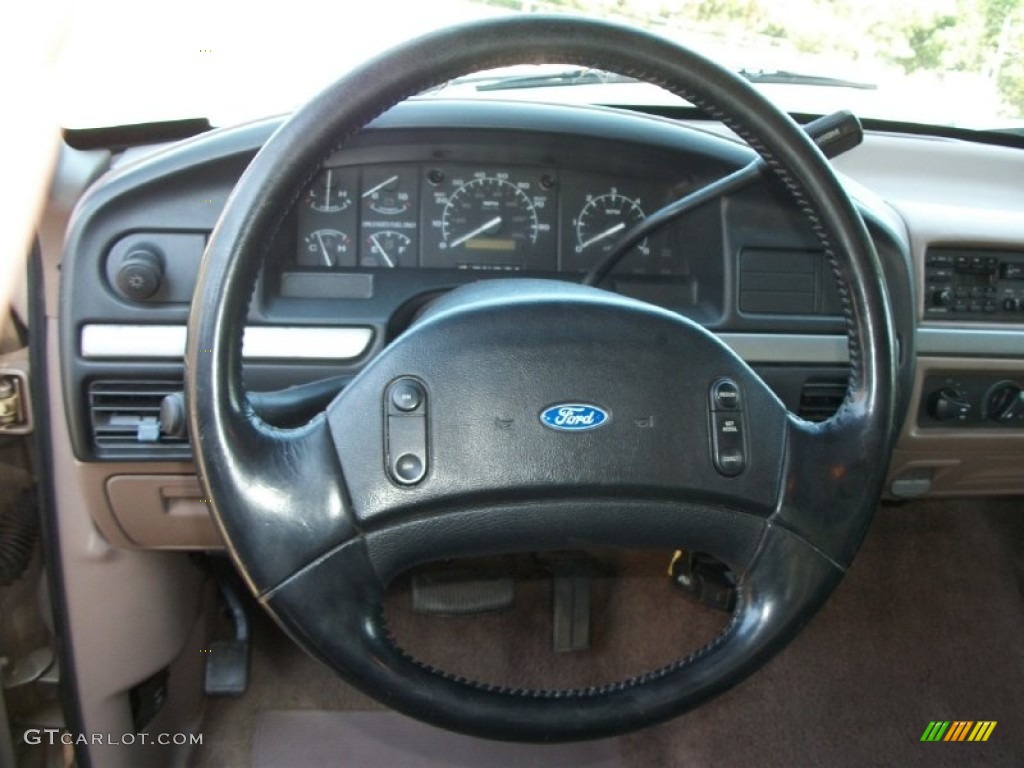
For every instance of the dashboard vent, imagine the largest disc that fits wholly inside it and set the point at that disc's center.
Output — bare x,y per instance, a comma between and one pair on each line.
125,419
820,398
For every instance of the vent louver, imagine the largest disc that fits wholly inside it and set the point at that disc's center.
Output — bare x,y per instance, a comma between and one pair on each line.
820,398
125,419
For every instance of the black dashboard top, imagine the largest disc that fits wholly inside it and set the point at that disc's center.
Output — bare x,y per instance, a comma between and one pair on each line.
434,194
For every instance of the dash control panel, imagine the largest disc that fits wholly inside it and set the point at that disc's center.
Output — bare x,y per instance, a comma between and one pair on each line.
972,400
974,285
728,433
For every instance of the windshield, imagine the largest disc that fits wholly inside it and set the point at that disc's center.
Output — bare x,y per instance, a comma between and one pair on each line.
943,62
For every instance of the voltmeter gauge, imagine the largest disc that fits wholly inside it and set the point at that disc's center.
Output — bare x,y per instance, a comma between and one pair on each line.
388,191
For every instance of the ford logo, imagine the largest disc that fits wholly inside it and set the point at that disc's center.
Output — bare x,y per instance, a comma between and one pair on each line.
573,417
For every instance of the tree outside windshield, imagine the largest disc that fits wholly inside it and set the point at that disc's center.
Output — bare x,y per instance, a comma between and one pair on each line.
945,62
970,45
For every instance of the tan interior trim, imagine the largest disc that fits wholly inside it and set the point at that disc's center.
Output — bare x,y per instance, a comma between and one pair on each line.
961,461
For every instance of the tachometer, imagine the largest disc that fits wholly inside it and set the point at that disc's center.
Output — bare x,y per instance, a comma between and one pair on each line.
603,220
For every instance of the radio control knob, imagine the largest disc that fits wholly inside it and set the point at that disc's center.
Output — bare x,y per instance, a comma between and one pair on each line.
948,404
1011,304
943,298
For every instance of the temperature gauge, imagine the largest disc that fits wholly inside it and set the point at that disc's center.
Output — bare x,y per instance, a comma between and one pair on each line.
326,248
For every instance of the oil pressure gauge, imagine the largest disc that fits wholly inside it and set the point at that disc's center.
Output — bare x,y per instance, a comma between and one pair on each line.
329,192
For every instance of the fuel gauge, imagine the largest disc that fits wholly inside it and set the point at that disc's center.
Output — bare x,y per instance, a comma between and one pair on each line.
386,248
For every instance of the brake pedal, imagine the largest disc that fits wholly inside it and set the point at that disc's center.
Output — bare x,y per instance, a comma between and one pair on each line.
227,662
462,592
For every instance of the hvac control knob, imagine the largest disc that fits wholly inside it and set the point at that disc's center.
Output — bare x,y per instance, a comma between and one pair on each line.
1004,402
140,273
948,404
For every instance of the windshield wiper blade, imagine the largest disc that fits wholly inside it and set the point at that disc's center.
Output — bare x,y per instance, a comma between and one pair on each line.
785,77
570,77
580,76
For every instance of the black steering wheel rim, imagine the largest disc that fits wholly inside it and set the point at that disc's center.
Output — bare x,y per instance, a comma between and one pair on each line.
313,523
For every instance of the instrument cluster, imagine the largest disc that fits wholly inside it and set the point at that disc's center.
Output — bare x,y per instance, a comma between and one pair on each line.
479,218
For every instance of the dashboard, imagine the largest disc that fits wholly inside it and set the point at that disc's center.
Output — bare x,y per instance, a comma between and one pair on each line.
436,194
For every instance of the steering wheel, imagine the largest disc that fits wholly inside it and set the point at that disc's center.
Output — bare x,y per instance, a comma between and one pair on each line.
530,415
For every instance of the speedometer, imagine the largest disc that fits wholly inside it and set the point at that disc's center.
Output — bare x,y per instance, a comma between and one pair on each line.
489,214
489,220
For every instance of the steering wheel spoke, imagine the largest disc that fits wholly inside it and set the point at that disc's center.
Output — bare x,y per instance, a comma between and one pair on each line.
831,478
269,525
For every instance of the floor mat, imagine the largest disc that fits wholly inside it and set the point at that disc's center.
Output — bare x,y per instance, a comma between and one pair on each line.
928,625
290,739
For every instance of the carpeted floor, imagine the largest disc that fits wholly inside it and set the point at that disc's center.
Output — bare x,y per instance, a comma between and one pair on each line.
928,625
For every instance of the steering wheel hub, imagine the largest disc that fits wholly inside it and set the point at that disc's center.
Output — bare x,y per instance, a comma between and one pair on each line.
493,357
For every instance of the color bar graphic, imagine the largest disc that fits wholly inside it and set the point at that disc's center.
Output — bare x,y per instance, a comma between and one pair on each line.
958,730
935,731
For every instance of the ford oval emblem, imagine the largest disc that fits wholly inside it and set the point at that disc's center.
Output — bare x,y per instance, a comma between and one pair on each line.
573,417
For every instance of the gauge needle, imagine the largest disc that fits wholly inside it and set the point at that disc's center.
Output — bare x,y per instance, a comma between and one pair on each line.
323,247
478,231
602,235
380,186
327,193
380,249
